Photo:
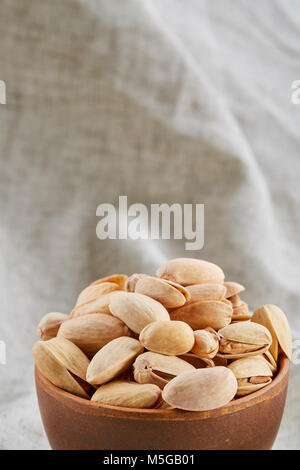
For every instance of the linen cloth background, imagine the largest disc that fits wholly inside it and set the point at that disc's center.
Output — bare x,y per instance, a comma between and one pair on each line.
163,101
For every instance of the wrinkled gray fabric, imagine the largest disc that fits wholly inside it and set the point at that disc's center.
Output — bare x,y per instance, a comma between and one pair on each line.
162,101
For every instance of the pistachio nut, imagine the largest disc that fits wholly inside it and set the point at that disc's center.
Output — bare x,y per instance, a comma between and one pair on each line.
199,315
201,389
252,373
113,359
132,280
63,363
187,271
168,337
273,318
201,292
158,369
242,339
119,279
91,332
93,291
137,310
127,394
168,293
233,288
49,325
206,343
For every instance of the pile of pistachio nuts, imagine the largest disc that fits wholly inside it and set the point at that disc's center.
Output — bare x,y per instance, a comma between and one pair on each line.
181,339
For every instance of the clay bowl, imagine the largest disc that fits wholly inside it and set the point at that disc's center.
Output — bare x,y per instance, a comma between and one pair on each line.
250,422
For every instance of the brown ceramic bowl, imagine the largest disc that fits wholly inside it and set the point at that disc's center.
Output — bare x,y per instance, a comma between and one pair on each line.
250,422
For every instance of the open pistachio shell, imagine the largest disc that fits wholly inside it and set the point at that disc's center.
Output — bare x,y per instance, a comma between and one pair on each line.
168,293
242,339
252,373
93,291
59,360
233,288
158,369
127,394
201,292
248,388
113,359
200,315
119,279
188,271
201,389
137,310
273,318
250,367
171,338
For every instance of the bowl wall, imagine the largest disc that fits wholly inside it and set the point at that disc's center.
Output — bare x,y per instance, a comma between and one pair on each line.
250,422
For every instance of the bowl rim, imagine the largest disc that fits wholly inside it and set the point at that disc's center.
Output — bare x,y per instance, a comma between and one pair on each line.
85,406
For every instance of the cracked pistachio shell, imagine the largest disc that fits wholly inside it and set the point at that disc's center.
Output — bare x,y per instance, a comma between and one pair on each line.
49,325
132,280
248,388
273,318
158,369
201,389
113,359
94,291
188,271
168,293
233,288
91,332
127,394
58,359
206,343
199,315
202,292
137,310
246,333
98,305
168,337
248,367
119,279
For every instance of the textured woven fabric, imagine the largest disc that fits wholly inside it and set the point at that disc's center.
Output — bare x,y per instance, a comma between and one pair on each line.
162,101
